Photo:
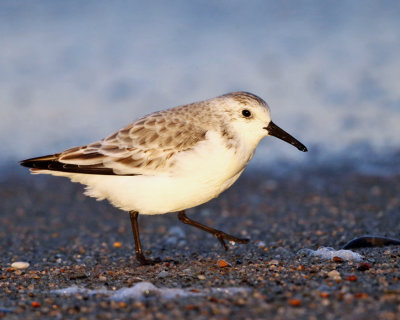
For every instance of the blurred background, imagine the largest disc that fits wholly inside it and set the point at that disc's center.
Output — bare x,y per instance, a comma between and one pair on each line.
72,72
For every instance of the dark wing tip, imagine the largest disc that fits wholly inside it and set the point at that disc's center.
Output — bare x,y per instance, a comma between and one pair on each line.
39,162
51,162
25,163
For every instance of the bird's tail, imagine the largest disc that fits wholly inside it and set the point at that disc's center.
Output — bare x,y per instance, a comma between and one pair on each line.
49,162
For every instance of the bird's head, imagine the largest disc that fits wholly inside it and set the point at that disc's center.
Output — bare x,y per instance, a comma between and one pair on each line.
251,119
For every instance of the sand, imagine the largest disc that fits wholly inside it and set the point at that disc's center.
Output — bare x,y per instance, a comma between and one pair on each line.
86,247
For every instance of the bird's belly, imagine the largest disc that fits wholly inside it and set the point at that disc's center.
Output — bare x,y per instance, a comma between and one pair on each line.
154,194
198,177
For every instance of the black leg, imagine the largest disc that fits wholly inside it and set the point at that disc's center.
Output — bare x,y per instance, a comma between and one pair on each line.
220,235
138,247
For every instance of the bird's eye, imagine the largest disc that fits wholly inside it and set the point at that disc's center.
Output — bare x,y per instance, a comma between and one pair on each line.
246,113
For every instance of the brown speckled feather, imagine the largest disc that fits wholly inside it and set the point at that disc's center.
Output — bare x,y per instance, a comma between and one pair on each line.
147,144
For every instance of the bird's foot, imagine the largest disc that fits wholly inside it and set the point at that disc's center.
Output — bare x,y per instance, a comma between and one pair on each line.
145,261
222,236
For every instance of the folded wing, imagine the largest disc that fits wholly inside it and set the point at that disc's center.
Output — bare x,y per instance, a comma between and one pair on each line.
146,145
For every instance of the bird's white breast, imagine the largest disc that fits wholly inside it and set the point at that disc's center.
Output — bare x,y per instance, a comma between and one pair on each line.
198,175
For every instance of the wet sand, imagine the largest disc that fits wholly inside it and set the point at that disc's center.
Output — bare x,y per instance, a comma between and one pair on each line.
71,240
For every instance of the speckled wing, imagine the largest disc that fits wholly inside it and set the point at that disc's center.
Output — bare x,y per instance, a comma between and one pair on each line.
146,145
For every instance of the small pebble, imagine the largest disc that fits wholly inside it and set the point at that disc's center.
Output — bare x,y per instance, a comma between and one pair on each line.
222,263
335,275
20,265
325,302
102,278
117,244
337,259
351,278
201,277
261,244
187,271
295,302
163,274
364,266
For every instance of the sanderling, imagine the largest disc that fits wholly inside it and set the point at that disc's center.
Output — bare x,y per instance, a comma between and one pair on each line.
170,160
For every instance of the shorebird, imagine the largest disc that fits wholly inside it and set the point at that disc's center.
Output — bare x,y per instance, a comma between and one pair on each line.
170,160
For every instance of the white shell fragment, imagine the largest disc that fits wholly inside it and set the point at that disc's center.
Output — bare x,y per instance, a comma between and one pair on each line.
20,265
328,254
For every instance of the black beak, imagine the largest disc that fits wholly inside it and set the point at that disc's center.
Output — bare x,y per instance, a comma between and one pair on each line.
274,130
